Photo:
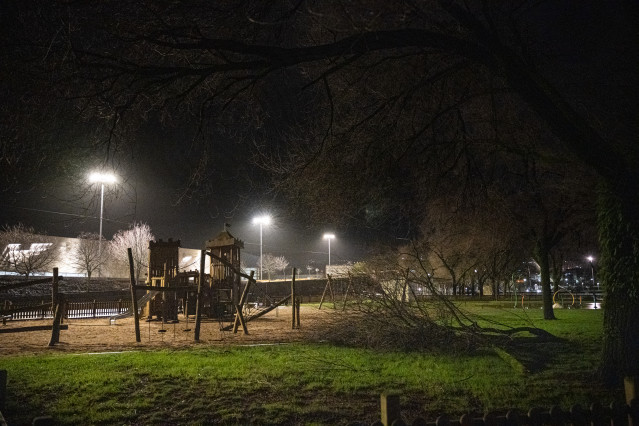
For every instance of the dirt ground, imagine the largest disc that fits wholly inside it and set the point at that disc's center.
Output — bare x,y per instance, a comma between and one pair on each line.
100,335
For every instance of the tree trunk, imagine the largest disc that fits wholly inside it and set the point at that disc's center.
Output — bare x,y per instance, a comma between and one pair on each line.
618,226
541,255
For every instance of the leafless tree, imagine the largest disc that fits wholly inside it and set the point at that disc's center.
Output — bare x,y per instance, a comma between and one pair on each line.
88,256
269,264
25,251
136,238
281,264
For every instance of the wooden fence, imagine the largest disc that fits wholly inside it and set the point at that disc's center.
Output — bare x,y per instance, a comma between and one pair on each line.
90,309
616,414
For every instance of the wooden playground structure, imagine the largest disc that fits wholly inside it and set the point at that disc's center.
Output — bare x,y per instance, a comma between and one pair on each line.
217,295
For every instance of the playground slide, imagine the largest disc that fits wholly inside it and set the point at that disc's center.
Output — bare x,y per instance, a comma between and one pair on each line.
142,301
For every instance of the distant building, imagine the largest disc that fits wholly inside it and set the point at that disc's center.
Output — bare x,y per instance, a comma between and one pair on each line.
65,259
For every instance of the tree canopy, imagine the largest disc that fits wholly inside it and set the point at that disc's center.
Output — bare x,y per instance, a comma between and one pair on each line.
364,112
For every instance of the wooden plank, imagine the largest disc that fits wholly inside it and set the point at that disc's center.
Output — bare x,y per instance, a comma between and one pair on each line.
242,302
261,312
32,328
240,317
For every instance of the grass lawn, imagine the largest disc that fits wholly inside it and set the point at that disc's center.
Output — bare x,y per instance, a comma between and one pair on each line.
312,383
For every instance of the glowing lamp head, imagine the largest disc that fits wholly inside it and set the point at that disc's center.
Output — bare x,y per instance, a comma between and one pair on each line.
262,220
590,259
97,177
329,236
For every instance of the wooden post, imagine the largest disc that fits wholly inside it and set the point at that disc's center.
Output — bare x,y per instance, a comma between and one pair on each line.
54,289
329,287
57,319
390,409
631,388
297,314
239,318
3,389
293,299
134,299
198,300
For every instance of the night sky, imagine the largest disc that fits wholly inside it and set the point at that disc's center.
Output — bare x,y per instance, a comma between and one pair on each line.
158,157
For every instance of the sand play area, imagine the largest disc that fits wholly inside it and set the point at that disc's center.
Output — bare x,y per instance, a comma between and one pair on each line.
103,335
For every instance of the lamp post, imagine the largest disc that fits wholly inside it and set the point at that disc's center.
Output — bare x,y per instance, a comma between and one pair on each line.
101,178
329,237
261,220
592,269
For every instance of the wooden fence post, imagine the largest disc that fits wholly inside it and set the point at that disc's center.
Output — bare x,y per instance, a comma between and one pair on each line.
95,308
3,389
631,388
391,409
57,319
198,299
134,299
293,301
297,314
54,289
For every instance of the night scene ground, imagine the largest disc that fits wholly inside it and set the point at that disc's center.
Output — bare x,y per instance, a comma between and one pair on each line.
455,182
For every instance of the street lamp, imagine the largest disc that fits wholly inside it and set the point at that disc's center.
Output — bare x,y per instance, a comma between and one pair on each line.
592,269
329,237
101,178
261,220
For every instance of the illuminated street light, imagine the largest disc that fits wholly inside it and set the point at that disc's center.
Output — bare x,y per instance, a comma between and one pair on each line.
101,178
329,237
261,220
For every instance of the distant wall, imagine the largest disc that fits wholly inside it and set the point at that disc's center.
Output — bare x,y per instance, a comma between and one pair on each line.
64,252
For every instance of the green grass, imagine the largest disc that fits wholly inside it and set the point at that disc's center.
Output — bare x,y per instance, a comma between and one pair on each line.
312,383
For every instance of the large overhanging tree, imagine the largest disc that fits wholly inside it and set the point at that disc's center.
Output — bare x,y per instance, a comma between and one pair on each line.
378,99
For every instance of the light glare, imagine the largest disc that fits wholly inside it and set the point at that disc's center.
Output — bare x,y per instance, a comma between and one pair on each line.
262,220
329,236
102,177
